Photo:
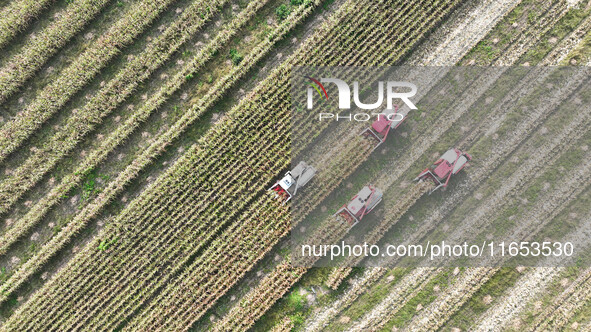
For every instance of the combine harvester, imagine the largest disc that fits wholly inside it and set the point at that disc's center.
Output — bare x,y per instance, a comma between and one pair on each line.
288,186
450,163
359,206
388,119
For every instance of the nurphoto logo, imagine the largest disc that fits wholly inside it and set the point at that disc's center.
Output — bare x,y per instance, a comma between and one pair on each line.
344,92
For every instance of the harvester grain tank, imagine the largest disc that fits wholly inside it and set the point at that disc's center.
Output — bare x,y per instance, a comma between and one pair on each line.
360,205
450,163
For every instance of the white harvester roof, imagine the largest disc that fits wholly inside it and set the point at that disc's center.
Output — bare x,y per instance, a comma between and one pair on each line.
461,162
450,156
357,204
287,181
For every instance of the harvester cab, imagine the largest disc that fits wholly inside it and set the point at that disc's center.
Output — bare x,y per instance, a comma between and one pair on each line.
288,186
360,205
388,119
450,163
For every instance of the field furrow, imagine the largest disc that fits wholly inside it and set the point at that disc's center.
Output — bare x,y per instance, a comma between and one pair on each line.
17,15
38,50
34,168
139,140
85,67
334,310
281,30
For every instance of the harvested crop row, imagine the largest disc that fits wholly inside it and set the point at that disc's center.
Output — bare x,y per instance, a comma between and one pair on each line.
430,84
566,45
532,284
508,32
473,223
573,131
540,215
57,93
462,289
108,99
534,31
565,305
321,319
403,291
176,299
491,162
17,15
339,275
448,46
386,179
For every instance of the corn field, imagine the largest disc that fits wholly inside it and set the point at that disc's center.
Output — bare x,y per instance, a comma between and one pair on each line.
142,143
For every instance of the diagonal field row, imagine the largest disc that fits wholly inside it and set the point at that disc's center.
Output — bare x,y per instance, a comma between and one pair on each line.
173,297
565,306
222,132
532,284
279,291
274,285
144,159
17,15
40,49
382,271
79,73
473,216
539,215
491,165
567,137
29,173
411,278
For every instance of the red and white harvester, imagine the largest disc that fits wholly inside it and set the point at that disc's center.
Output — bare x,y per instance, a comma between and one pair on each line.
360,205
388,119
450,163
288,186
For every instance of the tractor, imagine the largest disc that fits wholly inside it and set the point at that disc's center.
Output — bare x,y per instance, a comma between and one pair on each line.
288,186
359,206
450,163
